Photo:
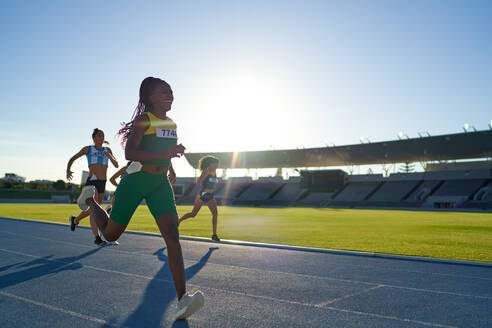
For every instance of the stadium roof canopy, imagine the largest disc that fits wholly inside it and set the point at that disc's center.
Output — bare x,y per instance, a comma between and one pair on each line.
466,145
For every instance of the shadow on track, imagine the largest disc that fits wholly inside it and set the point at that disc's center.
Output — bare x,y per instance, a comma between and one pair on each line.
6,267
41,267
159,294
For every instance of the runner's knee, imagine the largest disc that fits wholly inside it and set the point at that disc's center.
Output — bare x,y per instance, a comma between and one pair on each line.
170,229
109,236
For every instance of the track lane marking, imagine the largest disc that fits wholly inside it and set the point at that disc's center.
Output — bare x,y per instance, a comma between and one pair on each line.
58,309
281,272
324,304
188,241
278,300
424,323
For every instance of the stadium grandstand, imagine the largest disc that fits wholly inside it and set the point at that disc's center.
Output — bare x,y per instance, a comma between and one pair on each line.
458,174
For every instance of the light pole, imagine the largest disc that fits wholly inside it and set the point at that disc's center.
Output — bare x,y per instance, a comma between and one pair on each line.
401,135
423,133
467,126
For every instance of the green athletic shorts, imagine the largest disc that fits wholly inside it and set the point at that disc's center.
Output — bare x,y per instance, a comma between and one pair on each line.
134,187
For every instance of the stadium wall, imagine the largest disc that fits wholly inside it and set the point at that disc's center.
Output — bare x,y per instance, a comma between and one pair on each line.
471,189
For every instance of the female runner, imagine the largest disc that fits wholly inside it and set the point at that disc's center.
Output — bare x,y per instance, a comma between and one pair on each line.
208,165
97,159
151,142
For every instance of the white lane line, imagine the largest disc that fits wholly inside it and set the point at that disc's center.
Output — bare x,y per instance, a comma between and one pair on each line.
324,304
238,266
102,321
279,272
71,243
424,323
57,309
277,300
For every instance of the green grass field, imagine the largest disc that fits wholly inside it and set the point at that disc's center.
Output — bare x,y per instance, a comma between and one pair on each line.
452,235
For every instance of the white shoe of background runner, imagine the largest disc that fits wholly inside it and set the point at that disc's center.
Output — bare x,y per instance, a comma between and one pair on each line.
87,192
107,242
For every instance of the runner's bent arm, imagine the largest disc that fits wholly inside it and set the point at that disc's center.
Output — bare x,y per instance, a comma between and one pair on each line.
82,152
113,160
202,177
172,174
117,175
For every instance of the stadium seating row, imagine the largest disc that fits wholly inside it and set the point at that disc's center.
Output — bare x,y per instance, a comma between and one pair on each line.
467,189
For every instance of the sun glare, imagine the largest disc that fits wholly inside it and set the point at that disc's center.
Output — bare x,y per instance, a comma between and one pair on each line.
247,105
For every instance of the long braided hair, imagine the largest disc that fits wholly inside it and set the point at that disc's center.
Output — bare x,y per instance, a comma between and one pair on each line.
144,104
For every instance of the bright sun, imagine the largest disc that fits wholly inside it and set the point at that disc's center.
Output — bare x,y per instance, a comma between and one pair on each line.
251,101
243,109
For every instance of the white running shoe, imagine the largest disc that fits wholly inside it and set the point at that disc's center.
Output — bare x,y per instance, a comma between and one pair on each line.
107,242
189,304
87,192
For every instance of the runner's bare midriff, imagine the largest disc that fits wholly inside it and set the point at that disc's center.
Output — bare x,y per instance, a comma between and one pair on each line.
154,169
98,170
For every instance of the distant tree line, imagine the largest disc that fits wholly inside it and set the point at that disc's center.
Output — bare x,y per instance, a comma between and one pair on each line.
46,185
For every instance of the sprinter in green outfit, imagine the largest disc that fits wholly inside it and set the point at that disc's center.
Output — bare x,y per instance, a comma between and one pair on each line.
151,142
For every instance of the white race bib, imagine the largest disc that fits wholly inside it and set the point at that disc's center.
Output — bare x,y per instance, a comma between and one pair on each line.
166,133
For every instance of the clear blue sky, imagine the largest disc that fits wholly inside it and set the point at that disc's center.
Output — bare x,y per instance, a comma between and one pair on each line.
246,74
